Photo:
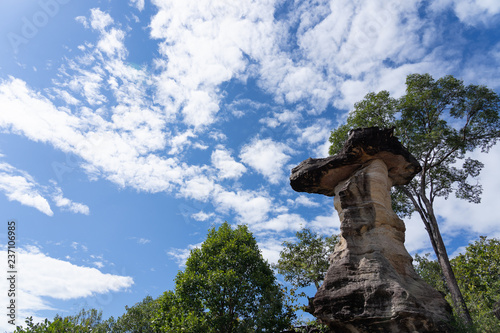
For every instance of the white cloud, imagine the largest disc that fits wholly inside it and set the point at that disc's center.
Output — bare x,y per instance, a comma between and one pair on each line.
45,278
267,157
99,20
98,264
143,241
416,237
66,203
225,163
475,219
326,224
181,255
282,222
202,216
270,249
202,42
316,133
111,43
280,118
471,12
20,186
198,188
82,20
138,3
303,200
250,206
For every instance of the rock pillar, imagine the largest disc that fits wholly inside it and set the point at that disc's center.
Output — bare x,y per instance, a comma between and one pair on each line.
371,285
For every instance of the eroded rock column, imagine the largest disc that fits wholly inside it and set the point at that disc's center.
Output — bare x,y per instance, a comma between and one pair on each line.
371,285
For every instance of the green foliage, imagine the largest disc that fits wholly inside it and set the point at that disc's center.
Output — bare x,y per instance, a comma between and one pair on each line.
478,276
58,325
439,121
431,272
83,322
138,318
226,287
311,326
305,261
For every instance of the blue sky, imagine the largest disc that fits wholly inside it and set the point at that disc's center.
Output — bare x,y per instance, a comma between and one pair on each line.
128,128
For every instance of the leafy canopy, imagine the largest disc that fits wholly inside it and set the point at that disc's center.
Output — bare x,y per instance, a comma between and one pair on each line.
305,261
226,287
439,121
478,276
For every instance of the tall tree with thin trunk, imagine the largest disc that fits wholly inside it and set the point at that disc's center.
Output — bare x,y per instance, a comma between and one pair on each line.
440,122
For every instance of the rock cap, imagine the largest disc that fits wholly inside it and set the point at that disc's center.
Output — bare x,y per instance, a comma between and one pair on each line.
322,175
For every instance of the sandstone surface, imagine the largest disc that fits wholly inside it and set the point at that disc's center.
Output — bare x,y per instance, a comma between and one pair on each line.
371,285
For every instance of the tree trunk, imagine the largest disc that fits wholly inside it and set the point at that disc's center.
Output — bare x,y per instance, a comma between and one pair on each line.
427,215
444,262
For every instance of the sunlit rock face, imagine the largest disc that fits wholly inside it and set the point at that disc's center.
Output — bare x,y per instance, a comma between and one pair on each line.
371,285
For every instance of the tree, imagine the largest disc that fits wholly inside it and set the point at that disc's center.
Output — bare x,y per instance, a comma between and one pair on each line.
305,262
439,121
226,287
83,322
478,276
137,318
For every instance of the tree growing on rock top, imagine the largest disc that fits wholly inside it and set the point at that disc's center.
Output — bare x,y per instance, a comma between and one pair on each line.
439,121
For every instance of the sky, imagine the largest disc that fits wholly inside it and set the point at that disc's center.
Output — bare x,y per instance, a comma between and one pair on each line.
129,128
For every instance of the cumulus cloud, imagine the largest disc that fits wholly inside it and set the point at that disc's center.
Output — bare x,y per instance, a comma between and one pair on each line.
475,219
471,12
250,206
270,249
45,278
202,216
303,200
267,157
198,188
280,223
326,224
111,43
99,20
225,163
206,53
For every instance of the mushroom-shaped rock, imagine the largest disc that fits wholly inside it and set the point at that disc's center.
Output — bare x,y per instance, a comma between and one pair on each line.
364,144
371,285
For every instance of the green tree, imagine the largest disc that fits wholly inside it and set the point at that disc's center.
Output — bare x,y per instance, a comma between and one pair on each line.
478,276
439,121
431,272
58,325
304,262
226,287
138,318
83,322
